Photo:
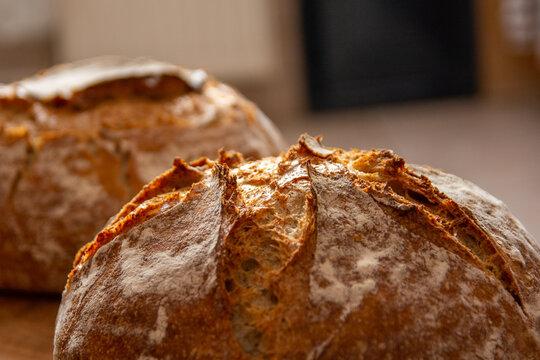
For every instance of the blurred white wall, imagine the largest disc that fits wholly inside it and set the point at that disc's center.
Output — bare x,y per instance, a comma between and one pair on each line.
25,37
232,39
24,20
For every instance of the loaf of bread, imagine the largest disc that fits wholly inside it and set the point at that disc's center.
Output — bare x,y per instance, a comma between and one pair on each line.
79,140
317,254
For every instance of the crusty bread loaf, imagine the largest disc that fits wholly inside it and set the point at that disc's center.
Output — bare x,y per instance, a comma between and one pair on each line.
79,140
318,254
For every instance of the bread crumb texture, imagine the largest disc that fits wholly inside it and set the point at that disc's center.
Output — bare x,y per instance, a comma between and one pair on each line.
320,253
79,140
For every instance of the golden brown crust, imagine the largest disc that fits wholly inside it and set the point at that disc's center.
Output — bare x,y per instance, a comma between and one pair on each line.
320,254
79,140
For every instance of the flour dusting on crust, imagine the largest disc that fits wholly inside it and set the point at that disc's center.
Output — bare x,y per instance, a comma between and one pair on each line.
158,333
343,267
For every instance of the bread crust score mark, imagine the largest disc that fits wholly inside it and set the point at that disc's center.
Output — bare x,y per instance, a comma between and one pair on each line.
320,253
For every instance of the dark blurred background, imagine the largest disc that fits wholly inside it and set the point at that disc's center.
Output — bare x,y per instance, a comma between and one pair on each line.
368,52
454,84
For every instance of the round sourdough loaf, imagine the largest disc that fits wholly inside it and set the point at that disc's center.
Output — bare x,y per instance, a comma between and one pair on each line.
79,140
317,254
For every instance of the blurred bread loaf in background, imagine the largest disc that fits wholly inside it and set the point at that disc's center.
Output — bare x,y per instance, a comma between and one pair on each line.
80,139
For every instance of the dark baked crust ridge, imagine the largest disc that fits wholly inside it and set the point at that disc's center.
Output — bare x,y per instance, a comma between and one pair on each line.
393,280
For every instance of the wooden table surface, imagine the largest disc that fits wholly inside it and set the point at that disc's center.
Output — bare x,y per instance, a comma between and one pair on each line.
27,326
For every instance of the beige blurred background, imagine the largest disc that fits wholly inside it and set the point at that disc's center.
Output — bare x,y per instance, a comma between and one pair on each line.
491,137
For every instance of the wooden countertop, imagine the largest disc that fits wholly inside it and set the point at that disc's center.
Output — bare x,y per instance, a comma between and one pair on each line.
27,326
